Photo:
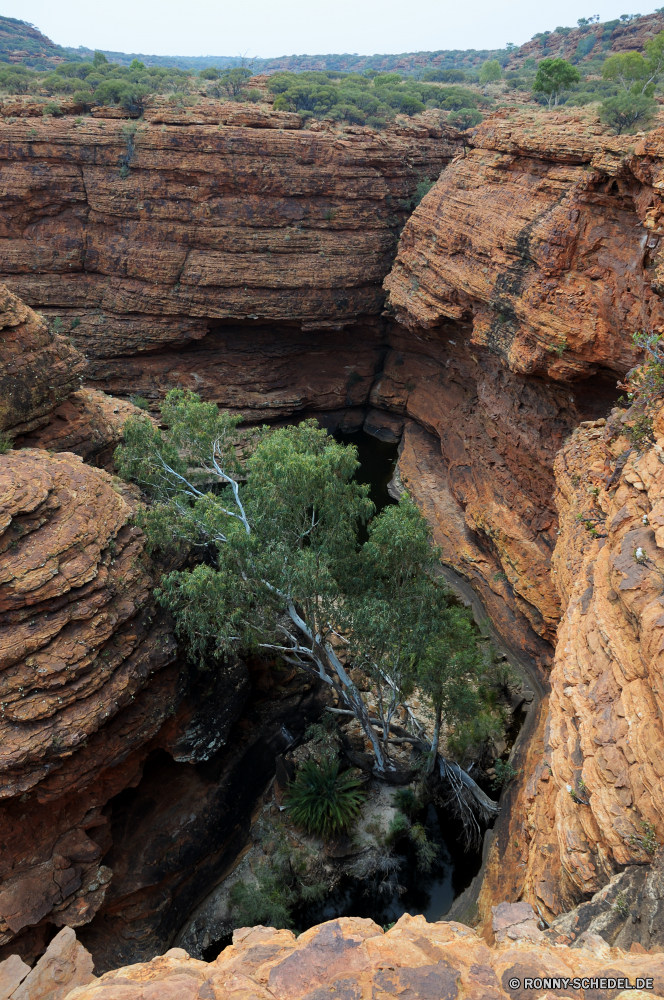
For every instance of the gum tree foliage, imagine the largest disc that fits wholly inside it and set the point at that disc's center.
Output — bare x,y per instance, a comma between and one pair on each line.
281,569
637,74
628,112
554,76
490,71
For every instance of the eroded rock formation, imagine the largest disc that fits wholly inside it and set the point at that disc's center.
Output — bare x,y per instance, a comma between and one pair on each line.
38,368
87,676
592,799
146,240
354,958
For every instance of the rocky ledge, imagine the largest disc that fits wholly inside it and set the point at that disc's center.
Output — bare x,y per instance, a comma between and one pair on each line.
355,959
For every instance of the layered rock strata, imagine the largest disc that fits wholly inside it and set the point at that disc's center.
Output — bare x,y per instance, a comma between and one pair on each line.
354,958
545,236
142,238
591,802
38,367
82,681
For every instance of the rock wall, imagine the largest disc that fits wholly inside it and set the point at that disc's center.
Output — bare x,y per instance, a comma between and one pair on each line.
87,675
592,800
38,368
545,240
181,253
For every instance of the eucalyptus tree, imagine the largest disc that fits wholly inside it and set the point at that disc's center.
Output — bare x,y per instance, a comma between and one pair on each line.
280,568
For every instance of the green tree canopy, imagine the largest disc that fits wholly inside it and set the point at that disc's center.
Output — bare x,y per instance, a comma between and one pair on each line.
628,112
490,71
554,76
636,73
281,568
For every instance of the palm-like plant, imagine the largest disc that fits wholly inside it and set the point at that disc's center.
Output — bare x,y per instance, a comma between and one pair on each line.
324,801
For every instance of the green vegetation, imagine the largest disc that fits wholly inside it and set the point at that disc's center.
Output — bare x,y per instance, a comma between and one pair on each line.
360,100
647,841
638,74
628,112
490,71
282,881
324,801
281,569
505,772
554,76
6,444
645,383
465,118
423,187
140,401
97,82
403,828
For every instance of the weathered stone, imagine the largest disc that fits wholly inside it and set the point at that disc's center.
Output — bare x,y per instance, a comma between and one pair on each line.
353,959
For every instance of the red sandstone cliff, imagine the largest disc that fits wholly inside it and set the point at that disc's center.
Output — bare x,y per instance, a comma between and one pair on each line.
144,238
82,683
592,798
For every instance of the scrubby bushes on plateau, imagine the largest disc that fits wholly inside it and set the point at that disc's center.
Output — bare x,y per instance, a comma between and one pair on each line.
356,98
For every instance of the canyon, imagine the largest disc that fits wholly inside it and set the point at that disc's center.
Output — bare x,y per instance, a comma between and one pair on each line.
246,261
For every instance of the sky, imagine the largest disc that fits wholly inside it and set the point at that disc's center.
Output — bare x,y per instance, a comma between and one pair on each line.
265,28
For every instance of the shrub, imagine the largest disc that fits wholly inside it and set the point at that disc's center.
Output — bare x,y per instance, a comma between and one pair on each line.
454,98
322,800
6,444
140,401
445,75
51,109
423,187
490,71
465,118
628,112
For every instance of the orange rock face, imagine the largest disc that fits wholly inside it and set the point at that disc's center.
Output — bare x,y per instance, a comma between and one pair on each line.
353,958
593,800
38,368
81,648
536,237
478,455
142,238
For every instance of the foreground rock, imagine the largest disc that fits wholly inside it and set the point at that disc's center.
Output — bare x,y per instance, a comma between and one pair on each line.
353,959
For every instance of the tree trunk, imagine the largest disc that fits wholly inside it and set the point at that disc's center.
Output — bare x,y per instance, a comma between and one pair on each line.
436,740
